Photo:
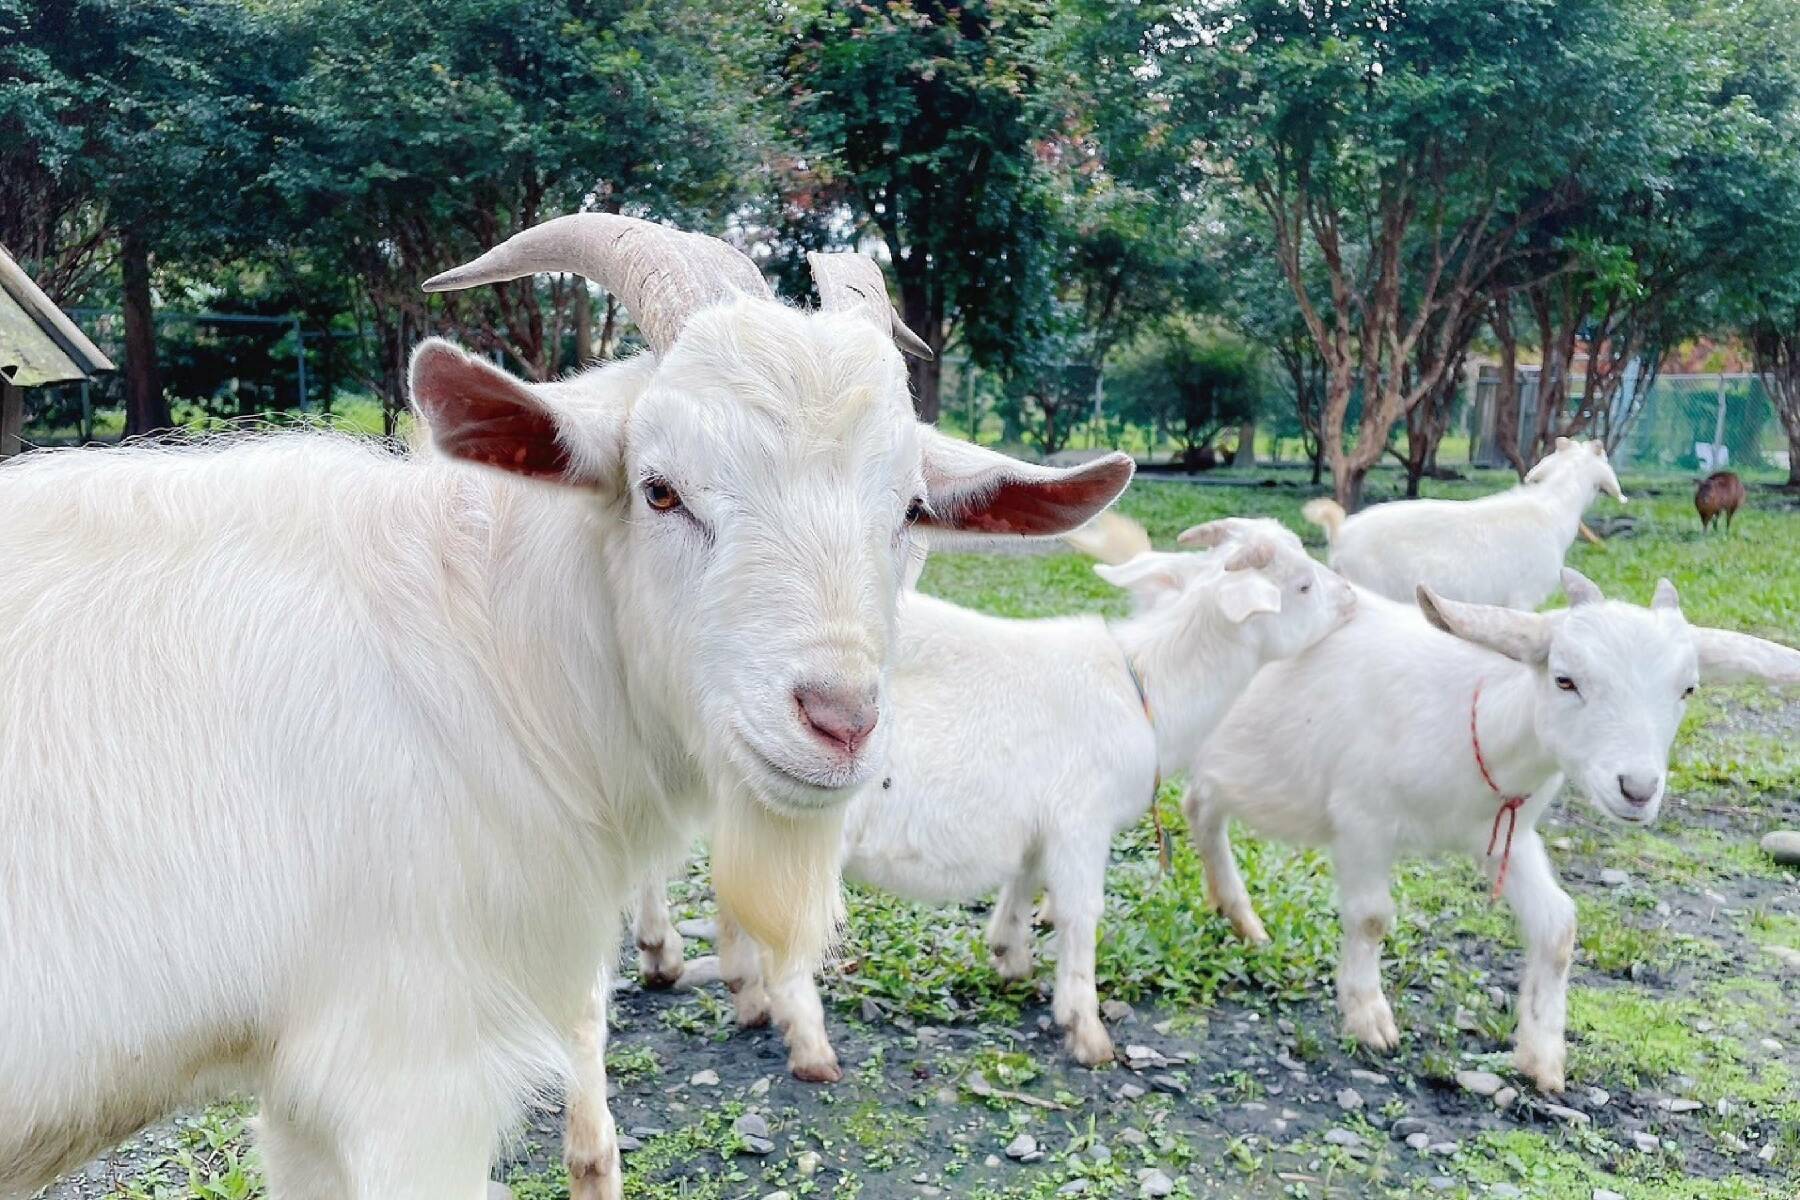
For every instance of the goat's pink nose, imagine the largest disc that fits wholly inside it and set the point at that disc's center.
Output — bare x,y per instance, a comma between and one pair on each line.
842,716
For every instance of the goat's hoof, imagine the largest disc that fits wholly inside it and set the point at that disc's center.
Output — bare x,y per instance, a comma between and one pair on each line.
752,1016
660,965
1090,1044
1544,1069
818,1070
1011,965
1372,1024
1249,926
596,1179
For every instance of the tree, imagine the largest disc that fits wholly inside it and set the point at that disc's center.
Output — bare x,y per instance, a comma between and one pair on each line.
418,144
922,121
1187,382
1407,145
131,129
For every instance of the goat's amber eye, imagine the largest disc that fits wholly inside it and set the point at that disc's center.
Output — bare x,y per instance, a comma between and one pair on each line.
660,495
915,511
1565,683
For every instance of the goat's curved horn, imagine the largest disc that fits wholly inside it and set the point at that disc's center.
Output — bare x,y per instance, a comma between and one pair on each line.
661,275
1252,556
854,283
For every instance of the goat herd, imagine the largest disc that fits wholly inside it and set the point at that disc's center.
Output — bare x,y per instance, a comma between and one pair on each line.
327,771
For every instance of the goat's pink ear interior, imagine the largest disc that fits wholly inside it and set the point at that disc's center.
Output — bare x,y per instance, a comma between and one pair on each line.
480,414
975,490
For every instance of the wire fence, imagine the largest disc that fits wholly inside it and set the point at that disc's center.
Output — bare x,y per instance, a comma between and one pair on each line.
1683,424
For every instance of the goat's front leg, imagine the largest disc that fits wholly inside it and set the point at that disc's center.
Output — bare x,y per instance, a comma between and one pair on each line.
1079,896
659,946
1009,932
590,1142
799,1014
741,966
1366,911
1225,890
1546,918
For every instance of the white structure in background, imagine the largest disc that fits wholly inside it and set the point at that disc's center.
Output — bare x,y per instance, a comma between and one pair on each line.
39,345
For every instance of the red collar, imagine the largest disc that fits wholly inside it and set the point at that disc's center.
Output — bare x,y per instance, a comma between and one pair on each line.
1509,805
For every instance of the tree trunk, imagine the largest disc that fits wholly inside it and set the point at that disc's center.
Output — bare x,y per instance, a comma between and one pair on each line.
1318,464
584,323
1793,439
922,310
12,418
927,386
1246,451
146,409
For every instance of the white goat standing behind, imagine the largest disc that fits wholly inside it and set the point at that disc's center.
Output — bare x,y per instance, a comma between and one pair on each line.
1367,744
1502,549
1022,747
348,816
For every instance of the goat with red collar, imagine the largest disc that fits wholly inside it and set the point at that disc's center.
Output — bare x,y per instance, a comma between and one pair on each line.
1450,727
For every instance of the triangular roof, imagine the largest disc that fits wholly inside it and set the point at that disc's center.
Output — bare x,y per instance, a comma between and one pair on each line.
38,342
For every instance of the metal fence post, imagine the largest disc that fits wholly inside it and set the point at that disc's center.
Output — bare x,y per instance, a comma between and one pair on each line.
1718,448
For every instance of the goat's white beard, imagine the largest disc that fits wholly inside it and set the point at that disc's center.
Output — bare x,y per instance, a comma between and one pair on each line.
778,875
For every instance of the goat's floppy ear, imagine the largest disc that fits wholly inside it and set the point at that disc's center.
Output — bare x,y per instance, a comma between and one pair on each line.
480,414
1146,576
974,490
1727,657
1579,588
1244,593
1520,635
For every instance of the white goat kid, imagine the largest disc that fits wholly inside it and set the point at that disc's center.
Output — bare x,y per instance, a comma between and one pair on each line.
1079,718
1502,549
422,727
1449,731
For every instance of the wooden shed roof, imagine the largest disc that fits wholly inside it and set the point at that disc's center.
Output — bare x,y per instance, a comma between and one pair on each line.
38,342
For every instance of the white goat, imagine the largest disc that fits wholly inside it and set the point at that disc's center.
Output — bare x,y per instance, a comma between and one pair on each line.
345,811
1501,549
1021,747
1450,731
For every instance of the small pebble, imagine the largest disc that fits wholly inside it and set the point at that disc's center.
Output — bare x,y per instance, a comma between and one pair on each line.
991,1161
1613,877
1443,1149
752,1125
706,1078
780,1195
1407,1126
1441,1183
1022,1148
1783,845
704,930
1343,1137
1349,1099
1372,1078
808,1162
1504,1191
1131,1135
1607,1194
1598,1097
758,1146
627,1143
1130,1091
761,1086
1169,1084
1646,1143
1506,1097
1418,1141
1075,1187
1572,1116
1155,1182
1482,1083
1680,1106
1117,1011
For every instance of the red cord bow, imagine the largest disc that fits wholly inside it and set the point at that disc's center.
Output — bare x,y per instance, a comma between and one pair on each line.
1509,805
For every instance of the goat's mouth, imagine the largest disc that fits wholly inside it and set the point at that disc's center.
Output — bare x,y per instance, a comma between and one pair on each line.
794,788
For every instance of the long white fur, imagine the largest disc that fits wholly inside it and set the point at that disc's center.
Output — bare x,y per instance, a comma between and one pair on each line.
1376,761
326,770
1502,549
1022,747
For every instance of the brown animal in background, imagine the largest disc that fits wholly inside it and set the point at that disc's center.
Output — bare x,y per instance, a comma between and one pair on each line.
1720,492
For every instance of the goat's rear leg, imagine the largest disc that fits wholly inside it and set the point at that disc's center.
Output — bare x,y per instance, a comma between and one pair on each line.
1078,889
659,947
1366,912
1225,891
1009,932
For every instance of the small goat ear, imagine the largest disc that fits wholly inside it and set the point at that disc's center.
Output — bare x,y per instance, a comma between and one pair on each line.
1727,657
1145,576
1243,595
975,490
1563,443
1579,588
1518,635
480,414
1666,596
1251,556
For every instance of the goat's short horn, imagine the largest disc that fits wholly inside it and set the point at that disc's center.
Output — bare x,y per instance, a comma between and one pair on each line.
661,275
854,283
